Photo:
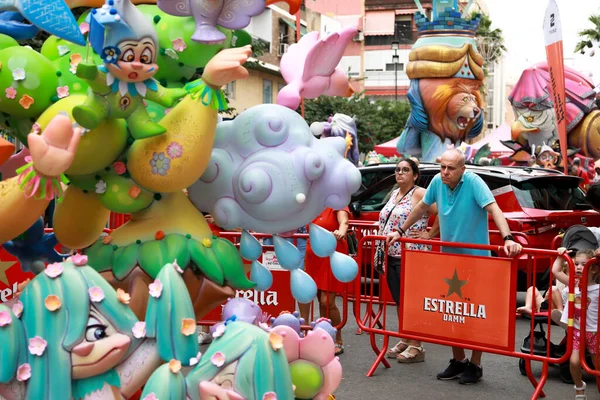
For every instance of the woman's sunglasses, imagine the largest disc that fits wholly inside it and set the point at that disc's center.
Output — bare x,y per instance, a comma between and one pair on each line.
404,170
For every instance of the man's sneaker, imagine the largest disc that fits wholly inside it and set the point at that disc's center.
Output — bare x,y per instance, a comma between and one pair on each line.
454,370
472,375
204,338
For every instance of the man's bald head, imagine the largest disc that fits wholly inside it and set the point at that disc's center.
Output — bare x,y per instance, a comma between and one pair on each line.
452,167
454,155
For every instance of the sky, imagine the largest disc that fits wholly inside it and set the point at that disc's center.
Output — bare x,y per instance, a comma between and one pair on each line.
521,22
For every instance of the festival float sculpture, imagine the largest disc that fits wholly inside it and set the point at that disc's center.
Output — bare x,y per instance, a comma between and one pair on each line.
108,171
310,68
340,125
534,126
136,282
446,73
71,335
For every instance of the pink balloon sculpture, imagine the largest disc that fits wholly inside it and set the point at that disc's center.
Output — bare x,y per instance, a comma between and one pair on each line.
309,68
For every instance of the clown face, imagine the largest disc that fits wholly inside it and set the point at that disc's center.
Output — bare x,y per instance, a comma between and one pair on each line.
102,348
135,62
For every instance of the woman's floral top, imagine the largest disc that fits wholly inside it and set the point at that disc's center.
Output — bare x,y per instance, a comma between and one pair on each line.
399,214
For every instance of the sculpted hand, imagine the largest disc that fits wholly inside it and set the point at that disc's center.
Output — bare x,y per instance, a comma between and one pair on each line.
53,151
512,248
226,66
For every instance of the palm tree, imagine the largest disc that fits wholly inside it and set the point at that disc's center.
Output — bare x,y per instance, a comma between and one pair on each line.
589,36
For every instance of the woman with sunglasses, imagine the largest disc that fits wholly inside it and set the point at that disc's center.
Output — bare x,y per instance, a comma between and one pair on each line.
392,216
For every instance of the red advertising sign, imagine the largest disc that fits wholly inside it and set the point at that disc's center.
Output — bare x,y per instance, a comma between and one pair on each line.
462,298
273,301
10,275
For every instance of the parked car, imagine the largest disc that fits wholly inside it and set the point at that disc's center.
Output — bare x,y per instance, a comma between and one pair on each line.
539,203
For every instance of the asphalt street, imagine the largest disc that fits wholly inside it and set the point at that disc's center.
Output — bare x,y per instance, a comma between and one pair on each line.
501,376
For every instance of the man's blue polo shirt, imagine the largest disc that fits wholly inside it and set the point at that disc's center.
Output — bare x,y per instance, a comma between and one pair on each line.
461,211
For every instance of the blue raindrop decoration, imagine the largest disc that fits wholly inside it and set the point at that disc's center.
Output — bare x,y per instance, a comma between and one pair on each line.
287,254
344,267
322,242
261,275
303,287
250,248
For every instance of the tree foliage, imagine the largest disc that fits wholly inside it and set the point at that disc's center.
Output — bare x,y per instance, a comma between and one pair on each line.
589,36
490,41
377,121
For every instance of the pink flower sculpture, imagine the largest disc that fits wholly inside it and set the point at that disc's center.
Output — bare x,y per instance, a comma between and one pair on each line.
37,345
316,349
309,68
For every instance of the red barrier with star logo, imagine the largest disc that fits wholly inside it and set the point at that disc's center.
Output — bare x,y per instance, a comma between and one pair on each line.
459,297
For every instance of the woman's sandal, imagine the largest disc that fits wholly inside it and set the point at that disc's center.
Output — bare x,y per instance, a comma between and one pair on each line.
580,396
339,349
397,349
406,357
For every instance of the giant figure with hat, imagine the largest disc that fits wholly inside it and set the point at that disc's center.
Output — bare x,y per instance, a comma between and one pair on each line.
446,72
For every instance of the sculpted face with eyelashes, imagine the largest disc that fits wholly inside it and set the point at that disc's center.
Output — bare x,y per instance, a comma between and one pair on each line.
102,348
137,61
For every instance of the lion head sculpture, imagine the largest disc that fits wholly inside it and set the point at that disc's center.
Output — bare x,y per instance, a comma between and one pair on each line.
454,107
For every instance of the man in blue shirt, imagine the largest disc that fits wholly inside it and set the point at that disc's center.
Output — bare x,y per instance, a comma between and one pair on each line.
463,202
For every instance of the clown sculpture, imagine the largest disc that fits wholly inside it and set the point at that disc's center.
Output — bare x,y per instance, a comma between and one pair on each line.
128,45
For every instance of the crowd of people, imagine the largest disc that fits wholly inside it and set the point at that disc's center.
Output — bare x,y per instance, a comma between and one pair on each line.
450,196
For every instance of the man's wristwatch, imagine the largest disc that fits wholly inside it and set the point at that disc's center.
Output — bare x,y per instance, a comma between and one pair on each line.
509,237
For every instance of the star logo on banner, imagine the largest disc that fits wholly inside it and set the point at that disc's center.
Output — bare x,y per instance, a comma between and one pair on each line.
4,266
455,285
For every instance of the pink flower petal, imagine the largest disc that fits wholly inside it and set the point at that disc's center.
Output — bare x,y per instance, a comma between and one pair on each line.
62,91
156,288
177,267
270,396
84,28
195,360
218,359
79,259
219,331
139,330
10,92
17,309
37,346
96,294
5,318
150,396
54,270
24,372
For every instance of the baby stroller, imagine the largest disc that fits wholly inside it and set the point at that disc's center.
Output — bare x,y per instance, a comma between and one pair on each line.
576,238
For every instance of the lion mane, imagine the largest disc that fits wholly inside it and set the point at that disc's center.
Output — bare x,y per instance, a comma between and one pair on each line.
443,111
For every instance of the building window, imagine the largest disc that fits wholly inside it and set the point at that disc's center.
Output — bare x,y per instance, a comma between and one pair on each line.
403,32
267,91
230,90
283,32
390,67
280,85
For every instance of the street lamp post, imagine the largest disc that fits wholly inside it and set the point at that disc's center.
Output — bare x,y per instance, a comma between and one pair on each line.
395,60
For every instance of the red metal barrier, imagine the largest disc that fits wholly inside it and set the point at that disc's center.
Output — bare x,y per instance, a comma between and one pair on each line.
280,287
427,310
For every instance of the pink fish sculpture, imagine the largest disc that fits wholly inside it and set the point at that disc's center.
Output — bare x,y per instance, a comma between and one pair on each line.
310,68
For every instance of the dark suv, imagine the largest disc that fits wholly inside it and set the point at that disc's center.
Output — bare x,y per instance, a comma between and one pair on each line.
539,203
